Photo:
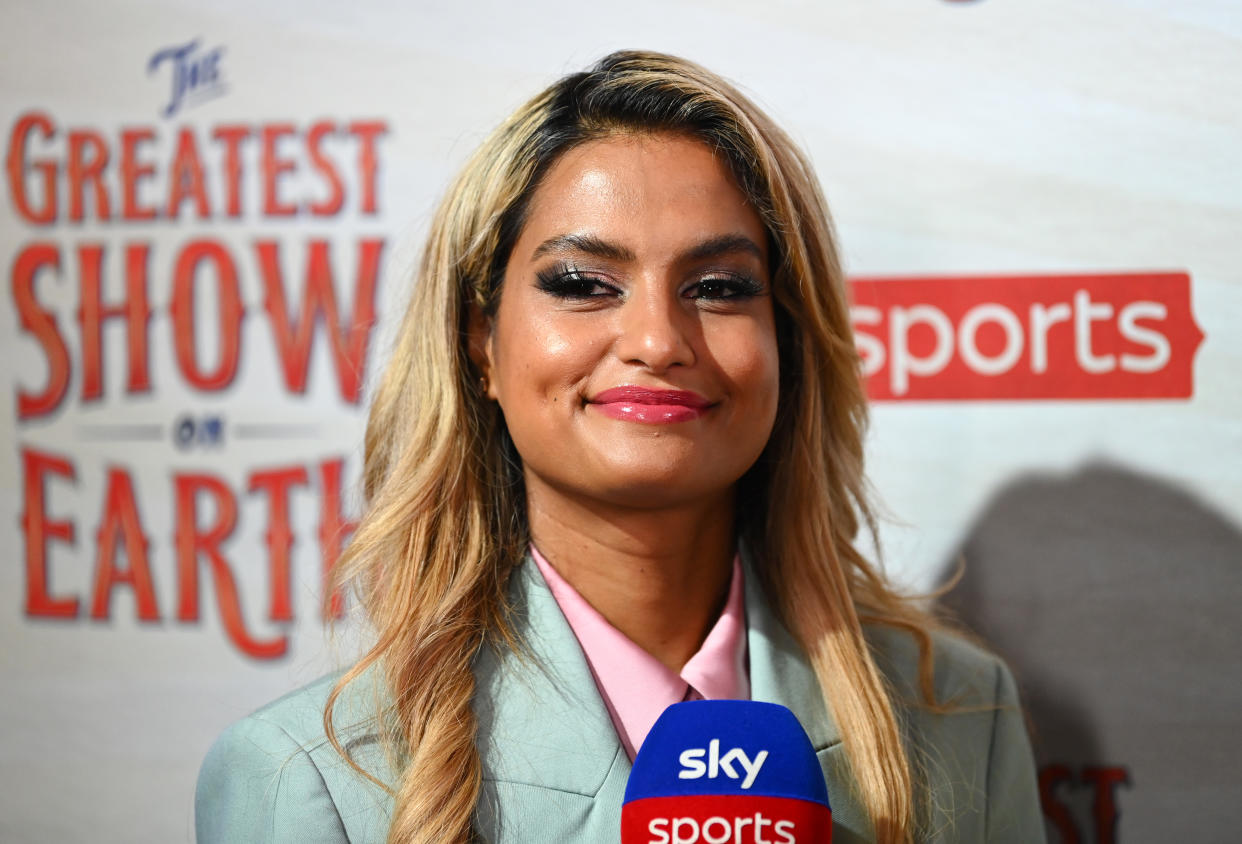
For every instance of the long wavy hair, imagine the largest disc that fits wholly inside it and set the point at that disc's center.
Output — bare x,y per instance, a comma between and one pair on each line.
446,522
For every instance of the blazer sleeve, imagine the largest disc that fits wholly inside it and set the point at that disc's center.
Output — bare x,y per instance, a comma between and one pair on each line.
1013,810
258,784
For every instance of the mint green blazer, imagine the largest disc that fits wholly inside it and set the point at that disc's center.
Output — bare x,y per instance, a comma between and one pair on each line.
554,769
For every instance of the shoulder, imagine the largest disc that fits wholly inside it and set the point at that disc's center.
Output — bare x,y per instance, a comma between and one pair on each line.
964,674
971,742
274,776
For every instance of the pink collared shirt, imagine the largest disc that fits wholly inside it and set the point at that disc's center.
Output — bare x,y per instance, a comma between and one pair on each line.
637,687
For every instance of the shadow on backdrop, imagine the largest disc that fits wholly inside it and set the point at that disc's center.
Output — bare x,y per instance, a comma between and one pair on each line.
1117,600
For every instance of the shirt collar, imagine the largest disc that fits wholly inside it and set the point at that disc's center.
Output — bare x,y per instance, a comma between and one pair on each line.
635,686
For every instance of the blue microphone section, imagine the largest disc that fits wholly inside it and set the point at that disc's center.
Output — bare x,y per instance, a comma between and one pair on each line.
727,747
726,772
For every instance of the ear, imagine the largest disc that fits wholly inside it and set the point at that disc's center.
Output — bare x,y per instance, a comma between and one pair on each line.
479,345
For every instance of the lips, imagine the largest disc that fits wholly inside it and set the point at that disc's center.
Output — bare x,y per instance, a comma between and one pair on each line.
650,406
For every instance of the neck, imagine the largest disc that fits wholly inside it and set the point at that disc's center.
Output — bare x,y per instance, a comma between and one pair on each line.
660,576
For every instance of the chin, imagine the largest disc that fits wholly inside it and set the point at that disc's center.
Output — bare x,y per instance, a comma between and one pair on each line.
659,486
657,496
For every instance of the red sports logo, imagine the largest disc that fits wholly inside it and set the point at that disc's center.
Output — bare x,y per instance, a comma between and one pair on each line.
1107,336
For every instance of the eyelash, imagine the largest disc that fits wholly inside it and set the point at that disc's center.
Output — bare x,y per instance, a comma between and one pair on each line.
735,287
566,282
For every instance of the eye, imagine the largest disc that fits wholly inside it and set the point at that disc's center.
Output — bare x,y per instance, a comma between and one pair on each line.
724,287
568,283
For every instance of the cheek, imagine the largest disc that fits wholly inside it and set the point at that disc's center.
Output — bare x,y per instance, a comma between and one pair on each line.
538,361
750,360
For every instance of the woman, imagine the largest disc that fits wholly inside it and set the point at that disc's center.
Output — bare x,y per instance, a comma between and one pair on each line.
615,462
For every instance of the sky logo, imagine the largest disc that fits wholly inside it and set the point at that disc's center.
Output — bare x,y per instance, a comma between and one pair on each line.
195,74
693,766
697,779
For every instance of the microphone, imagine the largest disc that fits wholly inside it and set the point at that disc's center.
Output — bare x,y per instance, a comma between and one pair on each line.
726,772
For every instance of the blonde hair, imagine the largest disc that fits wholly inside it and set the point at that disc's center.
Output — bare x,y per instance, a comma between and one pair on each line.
446,520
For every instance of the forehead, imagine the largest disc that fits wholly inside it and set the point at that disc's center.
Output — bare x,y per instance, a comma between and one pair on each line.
649,190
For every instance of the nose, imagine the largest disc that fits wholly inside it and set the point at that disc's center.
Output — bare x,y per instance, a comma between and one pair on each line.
656,331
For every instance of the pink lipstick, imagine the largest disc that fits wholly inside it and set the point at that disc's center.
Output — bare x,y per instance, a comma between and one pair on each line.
655,407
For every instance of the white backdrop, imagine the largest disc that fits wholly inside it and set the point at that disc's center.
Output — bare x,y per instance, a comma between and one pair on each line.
1102,535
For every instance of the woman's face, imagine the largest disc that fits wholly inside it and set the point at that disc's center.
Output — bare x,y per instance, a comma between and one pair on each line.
633,351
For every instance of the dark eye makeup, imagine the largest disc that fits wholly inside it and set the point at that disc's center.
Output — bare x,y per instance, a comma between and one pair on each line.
725,287
567,282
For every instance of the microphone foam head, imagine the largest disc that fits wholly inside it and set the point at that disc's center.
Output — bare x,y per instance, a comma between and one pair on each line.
726,772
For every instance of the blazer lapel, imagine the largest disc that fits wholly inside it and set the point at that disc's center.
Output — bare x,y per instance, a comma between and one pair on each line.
554,768
780,673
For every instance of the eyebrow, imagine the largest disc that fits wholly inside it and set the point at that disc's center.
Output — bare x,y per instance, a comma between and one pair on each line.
725,244
588,243
713,247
